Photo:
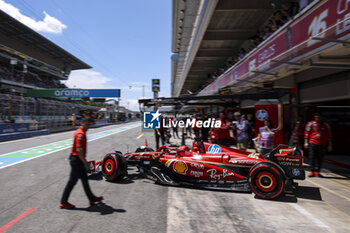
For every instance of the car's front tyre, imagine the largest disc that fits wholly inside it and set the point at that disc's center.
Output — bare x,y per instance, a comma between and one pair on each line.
114,167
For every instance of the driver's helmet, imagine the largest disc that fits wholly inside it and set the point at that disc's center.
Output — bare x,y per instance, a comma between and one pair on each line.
144,149
183,151
199,146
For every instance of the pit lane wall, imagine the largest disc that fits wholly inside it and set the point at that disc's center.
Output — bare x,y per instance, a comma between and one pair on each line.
13,131
292,42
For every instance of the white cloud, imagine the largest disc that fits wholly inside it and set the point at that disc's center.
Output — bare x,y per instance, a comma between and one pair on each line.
88,79
48,24
132,104
137,89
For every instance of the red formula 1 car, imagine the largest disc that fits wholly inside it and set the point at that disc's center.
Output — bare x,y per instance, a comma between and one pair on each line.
207,165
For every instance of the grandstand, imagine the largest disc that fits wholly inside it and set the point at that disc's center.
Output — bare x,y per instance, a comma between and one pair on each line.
30,61
296,50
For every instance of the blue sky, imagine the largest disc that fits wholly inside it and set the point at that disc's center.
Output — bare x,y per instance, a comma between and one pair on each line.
127,42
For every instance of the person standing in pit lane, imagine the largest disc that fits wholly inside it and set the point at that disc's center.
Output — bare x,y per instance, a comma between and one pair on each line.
242,127
174,127
266,137
79,166
195,129
318,139
159,134
222,134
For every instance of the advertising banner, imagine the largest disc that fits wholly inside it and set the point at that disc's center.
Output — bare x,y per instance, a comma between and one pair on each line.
13,128
73,93
325,19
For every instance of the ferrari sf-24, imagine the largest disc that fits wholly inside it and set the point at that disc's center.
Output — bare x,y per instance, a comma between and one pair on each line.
210,166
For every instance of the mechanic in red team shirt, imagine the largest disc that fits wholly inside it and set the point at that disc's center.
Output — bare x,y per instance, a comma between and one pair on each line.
79,166
318,138
223,136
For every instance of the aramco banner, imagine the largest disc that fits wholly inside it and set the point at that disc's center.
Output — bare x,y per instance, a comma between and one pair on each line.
73,93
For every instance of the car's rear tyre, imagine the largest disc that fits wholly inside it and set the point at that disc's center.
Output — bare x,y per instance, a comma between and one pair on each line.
266,180
114,167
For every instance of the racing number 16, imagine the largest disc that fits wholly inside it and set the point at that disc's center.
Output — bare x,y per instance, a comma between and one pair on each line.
318,25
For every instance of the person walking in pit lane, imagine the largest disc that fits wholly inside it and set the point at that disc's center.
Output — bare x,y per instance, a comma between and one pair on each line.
79,166
318,139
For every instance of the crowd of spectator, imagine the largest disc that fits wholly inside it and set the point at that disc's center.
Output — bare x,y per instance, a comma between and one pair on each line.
29,78
278,19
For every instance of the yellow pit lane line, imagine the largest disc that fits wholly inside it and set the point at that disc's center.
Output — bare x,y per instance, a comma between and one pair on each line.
339,184
333,181
138,137
329,190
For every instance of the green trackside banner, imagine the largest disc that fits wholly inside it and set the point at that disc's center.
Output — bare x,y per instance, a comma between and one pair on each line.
73,93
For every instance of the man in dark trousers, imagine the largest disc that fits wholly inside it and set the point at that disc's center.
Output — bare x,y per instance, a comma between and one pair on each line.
318,139
79,166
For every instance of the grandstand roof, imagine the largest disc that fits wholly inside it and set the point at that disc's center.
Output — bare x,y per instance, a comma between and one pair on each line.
14,29
206,33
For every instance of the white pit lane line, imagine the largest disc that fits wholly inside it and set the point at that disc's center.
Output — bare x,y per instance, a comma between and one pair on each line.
311,217
123,129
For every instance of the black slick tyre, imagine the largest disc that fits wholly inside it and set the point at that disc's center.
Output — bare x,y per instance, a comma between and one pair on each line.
114,167
266,180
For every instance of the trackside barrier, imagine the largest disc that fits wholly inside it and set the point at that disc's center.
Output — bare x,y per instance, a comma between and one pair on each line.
12,136
13,127
102,124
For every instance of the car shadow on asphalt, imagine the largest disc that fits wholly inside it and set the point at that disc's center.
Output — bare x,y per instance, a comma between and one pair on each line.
97,176
306,192
136,176
123,181
101,208
184,186
129,179
290,198
302,192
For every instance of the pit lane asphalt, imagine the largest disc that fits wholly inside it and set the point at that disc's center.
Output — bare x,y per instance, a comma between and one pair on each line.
39,183
138,205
